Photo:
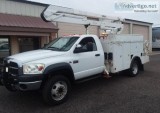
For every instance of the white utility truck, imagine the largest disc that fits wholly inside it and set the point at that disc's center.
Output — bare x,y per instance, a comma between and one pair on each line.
71,59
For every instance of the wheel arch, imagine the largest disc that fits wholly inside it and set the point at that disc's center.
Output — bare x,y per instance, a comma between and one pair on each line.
59,68
136,58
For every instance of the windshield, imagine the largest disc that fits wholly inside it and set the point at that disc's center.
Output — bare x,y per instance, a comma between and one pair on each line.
61,44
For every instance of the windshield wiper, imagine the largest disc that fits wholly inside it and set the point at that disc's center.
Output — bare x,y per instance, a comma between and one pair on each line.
53,48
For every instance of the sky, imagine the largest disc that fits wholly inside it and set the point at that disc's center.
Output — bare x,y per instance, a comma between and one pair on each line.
107,7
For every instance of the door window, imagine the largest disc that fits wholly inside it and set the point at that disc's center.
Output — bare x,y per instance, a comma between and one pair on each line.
88,44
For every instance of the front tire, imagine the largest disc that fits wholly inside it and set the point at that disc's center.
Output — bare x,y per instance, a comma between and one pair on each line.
56,90
134,69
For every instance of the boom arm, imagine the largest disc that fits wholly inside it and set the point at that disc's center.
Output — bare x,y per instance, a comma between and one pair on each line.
61,14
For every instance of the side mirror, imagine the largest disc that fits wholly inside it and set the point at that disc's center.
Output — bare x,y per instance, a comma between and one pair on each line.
78,48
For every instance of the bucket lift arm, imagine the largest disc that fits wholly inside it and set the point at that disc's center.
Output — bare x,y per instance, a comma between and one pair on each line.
61,14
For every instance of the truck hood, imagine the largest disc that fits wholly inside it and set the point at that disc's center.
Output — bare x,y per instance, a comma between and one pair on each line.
35,55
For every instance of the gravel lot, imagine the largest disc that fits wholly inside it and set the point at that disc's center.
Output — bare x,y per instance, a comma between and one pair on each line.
119,94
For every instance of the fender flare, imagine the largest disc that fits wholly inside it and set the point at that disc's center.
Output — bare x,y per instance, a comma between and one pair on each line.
59,67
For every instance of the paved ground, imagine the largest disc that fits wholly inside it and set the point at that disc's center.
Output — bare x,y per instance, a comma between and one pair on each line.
155,53
119,94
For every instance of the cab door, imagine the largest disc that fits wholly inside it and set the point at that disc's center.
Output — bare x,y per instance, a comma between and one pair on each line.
87,62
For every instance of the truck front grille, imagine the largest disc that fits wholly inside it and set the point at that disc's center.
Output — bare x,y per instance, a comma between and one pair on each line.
13,68
13,64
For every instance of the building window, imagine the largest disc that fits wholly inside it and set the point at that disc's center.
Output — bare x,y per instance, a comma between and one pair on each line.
28,43
4,47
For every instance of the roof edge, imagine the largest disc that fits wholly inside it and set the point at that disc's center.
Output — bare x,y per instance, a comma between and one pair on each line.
30,2
138,21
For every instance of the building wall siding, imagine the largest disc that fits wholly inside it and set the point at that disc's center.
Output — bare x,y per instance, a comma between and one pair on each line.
70,29
18,8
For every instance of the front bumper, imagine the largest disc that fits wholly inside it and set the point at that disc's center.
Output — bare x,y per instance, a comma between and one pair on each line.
29,82
25,86
21,82
13,79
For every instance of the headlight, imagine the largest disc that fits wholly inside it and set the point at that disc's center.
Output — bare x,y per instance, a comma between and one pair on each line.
33,68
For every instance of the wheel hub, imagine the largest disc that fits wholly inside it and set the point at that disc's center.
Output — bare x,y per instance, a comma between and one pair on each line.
59,90
135,69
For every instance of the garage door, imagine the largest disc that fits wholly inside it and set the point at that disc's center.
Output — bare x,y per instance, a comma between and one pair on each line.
143,30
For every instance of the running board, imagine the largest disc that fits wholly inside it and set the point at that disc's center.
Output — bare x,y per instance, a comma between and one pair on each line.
89,78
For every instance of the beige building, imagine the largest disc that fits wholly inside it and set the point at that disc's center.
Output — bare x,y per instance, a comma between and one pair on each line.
22,29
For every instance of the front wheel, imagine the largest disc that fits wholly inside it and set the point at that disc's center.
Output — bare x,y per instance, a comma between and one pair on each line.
56,90
134,68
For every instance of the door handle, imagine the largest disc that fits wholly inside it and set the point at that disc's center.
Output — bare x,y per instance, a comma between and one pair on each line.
97,54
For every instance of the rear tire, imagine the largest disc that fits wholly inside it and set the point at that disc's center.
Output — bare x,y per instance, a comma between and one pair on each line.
56,90
134,68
